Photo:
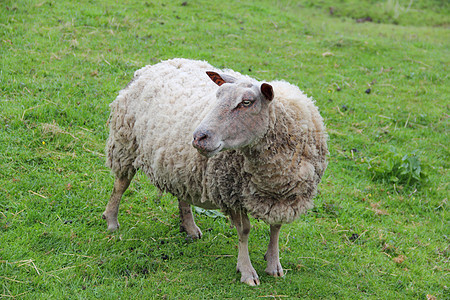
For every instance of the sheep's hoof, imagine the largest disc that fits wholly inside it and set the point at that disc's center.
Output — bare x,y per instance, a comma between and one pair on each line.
276,271
113,225
192,231
274,267
251,281
249,277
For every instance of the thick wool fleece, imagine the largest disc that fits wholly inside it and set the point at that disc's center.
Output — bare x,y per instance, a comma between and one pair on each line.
274,179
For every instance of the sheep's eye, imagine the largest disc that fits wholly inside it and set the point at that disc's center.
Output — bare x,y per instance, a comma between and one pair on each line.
246,103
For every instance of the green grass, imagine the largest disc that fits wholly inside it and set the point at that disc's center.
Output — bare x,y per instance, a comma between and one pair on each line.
370,236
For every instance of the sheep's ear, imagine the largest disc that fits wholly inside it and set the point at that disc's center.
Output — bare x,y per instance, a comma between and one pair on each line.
220,79
216,78
267,91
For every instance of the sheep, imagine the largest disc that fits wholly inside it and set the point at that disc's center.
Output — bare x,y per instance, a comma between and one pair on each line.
219,140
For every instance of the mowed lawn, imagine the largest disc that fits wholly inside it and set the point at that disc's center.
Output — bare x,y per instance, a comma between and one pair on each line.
378,71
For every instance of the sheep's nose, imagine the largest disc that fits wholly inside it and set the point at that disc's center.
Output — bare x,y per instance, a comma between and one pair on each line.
200,139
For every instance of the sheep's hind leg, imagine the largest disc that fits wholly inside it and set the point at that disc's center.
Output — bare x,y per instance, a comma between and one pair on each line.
187,220
273,261
112,209
244,265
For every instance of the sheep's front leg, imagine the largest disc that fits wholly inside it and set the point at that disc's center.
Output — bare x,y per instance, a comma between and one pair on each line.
248,273
187,220
112,209
273,261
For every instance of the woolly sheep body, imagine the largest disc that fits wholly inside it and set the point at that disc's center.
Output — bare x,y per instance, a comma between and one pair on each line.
151,125
274,179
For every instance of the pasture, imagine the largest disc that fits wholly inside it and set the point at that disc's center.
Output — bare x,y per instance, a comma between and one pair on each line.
378,71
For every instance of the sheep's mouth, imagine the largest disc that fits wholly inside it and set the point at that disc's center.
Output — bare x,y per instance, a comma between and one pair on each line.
210,153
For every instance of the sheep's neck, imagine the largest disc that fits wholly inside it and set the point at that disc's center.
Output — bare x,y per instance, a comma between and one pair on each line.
273,159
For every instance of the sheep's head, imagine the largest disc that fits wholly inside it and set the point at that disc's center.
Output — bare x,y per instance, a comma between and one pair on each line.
240,116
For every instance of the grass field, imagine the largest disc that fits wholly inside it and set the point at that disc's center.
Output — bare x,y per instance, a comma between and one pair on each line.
379,73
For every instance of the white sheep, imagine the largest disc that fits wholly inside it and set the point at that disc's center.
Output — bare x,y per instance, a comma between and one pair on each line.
274,135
